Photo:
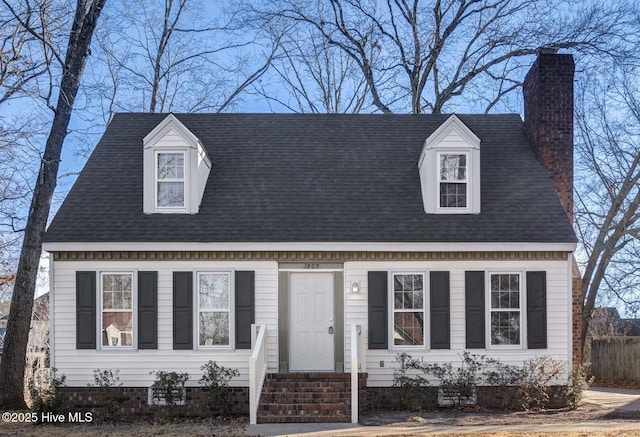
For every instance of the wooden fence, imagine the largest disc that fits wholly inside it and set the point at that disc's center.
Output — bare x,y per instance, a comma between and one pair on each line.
616,358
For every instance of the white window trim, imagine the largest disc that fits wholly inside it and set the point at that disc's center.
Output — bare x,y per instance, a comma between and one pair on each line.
185,179
467,181
425,307
232,310
134,310
523,310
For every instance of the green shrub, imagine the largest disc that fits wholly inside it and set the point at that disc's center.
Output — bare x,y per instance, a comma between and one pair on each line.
215,382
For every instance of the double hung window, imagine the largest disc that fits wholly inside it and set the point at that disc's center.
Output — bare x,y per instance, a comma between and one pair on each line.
408,309
505,308
117,309
170,180
453,180
214,304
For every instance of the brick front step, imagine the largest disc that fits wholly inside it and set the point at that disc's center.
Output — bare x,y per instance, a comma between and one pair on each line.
306,398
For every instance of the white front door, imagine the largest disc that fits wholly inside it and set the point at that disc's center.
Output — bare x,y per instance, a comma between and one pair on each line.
311,322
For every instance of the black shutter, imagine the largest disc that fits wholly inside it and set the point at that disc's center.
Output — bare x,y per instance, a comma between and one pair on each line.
182,310
147,310
440,310
86,310
245,308
378,303
474,309
537,310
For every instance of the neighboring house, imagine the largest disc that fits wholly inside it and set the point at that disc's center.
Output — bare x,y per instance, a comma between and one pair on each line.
606,321
38,344
436,234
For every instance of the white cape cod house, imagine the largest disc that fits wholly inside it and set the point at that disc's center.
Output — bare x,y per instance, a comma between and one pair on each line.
426,234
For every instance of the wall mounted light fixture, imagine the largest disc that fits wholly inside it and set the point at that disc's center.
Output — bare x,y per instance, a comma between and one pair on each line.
355,287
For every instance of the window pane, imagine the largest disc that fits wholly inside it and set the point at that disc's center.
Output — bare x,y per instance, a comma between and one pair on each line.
398,302
418,300
409,291
453,167
116,291
117,328
514,282
515,300
397,283
107,300
214,329
170,166
214,291
417,283
505,291
505,327
453,195
408,329
170,193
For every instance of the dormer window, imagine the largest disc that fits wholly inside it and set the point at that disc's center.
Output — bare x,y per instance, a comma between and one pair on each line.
453,180
449,167
176,169
170,180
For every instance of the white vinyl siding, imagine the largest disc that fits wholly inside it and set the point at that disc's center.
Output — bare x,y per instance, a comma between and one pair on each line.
558,308
135,365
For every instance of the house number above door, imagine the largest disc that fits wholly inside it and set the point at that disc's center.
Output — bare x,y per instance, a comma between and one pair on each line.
310,266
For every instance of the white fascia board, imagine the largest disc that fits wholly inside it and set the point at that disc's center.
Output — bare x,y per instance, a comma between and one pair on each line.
311,246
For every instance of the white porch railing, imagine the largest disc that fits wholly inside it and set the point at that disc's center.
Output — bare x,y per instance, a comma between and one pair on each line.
357,365
257,369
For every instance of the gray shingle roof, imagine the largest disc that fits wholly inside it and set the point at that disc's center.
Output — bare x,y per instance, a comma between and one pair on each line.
297,177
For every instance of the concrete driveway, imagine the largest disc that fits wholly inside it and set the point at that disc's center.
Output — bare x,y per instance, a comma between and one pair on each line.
622,399
615,402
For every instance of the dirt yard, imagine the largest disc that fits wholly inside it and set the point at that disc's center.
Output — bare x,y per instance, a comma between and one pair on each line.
586,412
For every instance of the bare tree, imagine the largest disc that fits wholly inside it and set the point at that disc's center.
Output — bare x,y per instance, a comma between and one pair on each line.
316,77
420,56
608,193
165,55
27,44
12,367
19,30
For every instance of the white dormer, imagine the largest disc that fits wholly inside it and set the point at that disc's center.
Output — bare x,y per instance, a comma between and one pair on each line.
176,169
449,166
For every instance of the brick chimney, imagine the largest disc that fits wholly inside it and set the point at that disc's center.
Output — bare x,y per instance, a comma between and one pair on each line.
548,118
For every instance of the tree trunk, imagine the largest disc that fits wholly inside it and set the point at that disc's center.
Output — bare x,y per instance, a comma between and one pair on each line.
12,367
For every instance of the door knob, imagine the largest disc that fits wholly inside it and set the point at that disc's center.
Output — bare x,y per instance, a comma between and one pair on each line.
330,329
